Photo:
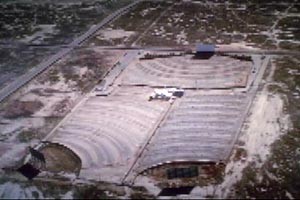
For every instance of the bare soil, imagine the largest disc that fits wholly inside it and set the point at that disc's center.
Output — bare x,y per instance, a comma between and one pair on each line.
55,154
18,108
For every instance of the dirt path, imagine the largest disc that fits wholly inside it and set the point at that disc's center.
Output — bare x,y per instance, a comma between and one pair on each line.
152,24
271,32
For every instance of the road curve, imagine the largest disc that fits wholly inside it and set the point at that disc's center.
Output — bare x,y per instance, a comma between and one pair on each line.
22,80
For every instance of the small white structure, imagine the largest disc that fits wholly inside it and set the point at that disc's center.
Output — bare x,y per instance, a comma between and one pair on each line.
166,93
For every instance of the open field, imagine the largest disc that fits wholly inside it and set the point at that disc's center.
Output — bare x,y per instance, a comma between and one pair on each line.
129,27
45,26
259,24
51,23
17,61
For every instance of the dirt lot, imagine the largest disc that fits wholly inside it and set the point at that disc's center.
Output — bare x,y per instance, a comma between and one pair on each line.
54,155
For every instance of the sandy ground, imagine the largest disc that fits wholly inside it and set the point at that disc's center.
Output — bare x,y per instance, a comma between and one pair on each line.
110,34
266,124
41,34
242,46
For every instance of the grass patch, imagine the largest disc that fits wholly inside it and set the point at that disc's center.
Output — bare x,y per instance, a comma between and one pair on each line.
289,46
91,192
18,108
141,195
54,76
240,153
28,135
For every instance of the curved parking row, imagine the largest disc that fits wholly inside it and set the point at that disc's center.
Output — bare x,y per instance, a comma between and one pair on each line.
108,131
200,128
182,72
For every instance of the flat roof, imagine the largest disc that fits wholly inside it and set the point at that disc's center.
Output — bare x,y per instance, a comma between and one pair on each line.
205,48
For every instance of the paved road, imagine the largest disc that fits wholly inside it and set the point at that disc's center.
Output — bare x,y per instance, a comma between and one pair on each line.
121,65
22,80
111,76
